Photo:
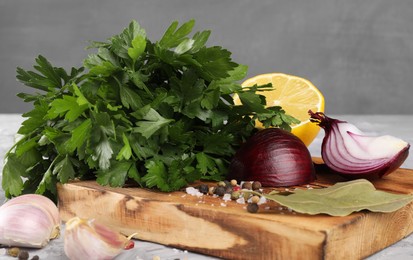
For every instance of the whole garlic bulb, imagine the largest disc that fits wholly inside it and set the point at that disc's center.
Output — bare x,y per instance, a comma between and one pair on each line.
87,239
29,220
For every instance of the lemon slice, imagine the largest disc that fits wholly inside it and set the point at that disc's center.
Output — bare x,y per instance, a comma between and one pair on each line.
296,96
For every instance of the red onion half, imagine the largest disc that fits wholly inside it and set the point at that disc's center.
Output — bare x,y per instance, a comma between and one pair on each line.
275,158
353,154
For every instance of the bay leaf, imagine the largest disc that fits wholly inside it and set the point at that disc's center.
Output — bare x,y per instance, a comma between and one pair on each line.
341,199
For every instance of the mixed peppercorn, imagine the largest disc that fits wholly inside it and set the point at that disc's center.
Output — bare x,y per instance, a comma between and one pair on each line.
235,191
20,254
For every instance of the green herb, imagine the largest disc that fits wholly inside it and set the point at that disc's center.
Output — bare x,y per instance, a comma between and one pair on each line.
341,199
160,114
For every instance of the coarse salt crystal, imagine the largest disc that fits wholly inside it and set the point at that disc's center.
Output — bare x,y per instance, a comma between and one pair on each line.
262,200
241,200
223,204
190,190
193,192
226,197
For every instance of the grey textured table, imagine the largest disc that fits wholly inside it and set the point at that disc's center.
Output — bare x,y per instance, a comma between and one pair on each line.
397,125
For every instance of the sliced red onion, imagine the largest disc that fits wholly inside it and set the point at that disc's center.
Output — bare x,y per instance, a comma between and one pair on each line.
352,153
273,157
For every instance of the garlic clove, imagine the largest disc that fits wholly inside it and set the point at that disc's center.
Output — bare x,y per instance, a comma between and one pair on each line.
26,225
37,200
87,239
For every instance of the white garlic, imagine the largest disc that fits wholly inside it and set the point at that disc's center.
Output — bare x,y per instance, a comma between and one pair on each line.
29,220
87,239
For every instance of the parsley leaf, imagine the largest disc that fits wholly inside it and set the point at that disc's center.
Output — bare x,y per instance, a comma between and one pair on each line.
126,151
80,135
116,175
156,176
151,123
67,107
12,181
175,36
64,170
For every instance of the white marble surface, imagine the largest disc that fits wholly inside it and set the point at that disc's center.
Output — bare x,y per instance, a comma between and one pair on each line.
400,126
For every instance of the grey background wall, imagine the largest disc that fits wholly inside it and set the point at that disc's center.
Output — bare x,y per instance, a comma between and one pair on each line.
358,53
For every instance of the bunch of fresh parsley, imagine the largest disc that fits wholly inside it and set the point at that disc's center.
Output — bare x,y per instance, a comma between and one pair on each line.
158,114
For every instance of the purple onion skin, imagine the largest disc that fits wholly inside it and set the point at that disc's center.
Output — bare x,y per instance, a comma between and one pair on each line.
274,157
376,171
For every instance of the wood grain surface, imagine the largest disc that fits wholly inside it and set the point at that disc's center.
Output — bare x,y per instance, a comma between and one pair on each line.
214,227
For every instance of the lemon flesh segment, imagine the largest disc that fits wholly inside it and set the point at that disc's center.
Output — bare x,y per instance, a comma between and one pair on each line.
296,96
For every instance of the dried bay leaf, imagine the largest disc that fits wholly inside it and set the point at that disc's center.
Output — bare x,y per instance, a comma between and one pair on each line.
341,199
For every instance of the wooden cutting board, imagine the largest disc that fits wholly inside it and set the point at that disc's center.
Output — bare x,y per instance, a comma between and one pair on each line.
214,227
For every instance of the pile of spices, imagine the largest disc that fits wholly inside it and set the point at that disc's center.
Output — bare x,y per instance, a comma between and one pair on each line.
20,254
231,191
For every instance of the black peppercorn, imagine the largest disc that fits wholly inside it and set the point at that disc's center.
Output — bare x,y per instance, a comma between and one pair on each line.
220,191
247,185
256,185
203,188
23,255
228,189
252,207
36,257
